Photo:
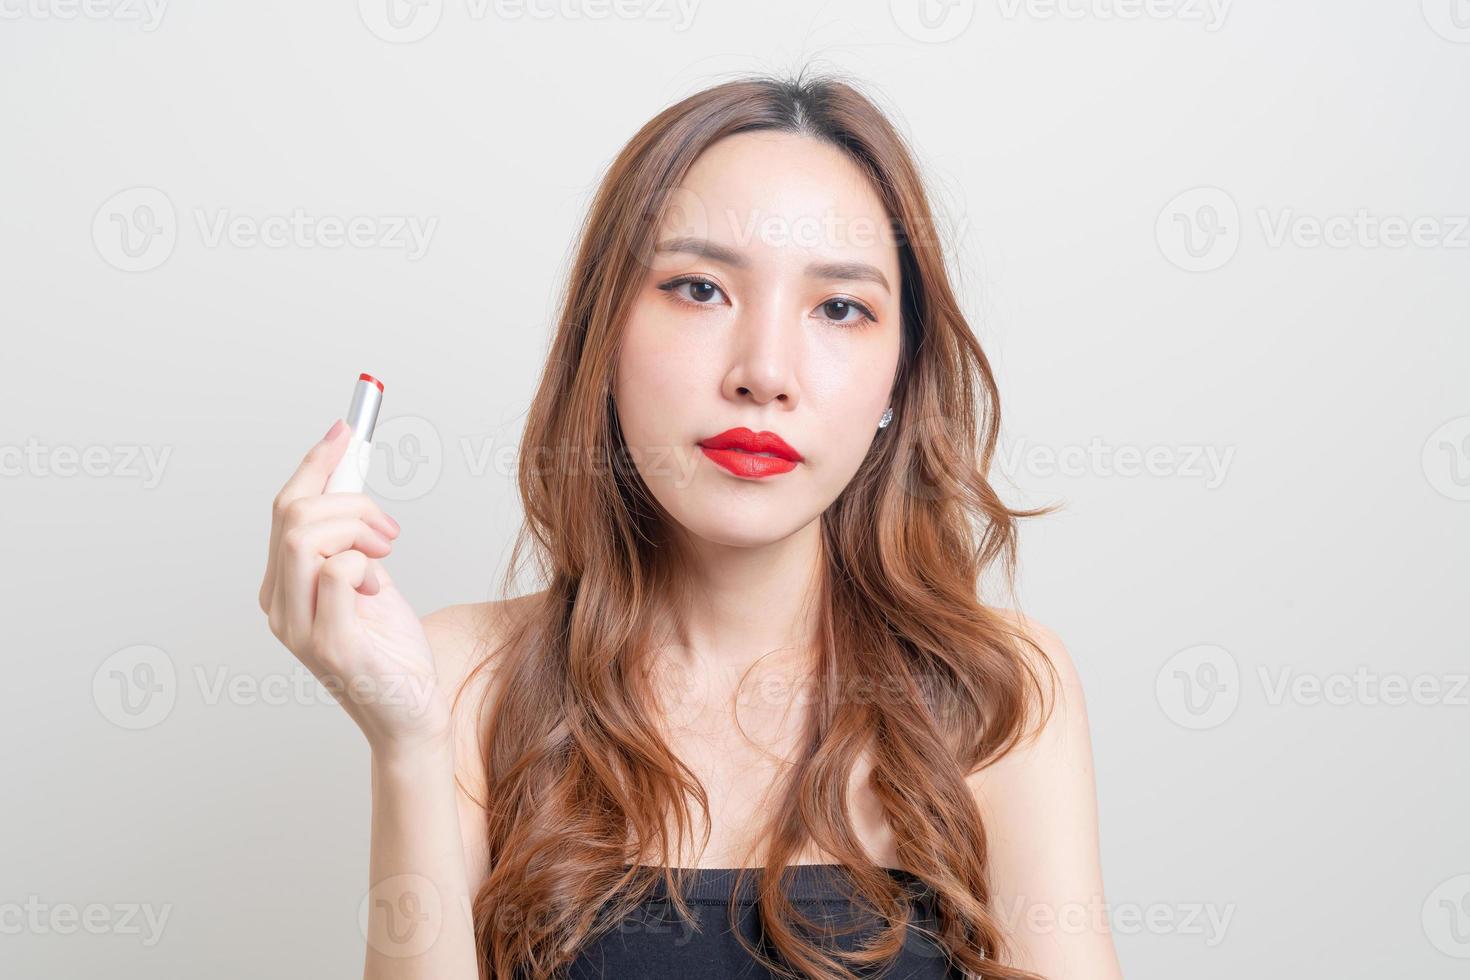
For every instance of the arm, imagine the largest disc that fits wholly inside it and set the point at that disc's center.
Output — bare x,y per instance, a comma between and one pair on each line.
329,599
1039,805
428,849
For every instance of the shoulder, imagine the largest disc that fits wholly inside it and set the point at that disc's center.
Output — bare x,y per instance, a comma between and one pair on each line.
1058,729
1038,804
466,640
463,634
1042,645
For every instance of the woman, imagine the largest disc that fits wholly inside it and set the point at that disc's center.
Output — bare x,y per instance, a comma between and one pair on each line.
754,477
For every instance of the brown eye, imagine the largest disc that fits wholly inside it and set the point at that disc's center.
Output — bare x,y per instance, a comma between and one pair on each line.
700,292
837,311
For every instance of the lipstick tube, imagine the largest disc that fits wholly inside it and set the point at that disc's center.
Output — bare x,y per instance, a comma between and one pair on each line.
361,418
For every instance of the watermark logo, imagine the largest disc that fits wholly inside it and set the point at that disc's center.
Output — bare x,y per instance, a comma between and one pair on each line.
135,229
1446,917
1199,687
1450,19
401,916
401,21
1199,230
681,686
932,21
136,687
1446,459
681,214
413,457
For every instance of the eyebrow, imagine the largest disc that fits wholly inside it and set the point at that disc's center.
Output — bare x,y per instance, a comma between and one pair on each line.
852,271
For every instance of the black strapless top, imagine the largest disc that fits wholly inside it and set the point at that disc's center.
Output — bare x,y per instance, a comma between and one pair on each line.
655,942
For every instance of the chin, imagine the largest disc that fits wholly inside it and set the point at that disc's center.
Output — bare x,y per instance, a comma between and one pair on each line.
731,525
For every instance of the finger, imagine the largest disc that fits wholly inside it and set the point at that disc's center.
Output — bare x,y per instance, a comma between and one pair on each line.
321,457
380,568
309,509
311,476
337,591
372,582
304,549
306,510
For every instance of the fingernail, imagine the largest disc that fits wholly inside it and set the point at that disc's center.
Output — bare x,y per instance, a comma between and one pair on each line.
396,525
337,427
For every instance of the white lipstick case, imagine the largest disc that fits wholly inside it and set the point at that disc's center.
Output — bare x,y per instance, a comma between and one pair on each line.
362,417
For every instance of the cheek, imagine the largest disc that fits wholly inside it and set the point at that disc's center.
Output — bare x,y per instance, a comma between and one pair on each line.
846,385
659,368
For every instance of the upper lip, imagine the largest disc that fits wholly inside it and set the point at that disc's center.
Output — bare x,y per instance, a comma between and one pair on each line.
752,442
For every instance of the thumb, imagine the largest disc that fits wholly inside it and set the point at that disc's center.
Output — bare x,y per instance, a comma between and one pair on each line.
337,589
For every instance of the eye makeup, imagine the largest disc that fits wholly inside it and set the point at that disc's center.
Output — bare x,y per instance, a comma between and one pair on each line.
865,314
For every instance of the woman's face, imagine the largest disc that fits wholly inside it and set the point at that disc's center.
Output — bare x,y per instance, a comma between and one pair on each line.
771,303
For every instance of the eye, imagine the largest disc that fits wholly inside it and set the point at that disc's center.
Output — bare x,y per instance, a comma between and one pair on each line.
701,291
838,308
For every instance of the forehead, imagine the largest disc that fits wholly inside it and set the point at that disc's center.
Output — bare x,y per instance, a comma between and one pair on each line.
774,192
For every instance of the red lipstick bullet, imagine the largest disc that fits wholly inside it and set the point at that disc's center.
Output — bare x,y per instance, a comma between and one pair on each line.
751,454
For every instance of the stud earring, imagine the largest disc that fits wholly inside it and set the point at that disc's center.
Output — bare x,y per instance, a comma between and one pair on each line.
887,417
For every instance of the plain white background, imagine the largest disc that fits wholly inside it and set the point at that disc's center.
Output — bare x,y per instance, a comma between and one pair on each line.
1218,253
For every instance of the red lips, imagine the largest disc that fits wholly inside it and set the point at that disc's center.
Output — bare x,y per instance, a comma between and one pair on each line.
736,449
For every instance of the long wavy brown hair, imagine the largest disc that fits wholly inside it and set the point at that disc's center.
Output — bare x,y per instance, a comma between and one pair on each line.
582,787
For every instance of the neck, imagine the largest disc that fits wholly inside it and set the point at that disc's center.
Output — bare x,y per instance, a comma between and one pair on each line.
744,603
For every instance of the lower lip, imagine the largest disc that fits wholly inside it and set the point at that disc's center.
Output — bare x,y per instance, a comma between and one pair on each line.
749,464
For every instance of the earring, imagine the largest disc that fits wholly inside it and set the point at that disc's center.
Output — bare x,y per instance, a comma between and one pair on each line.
887,417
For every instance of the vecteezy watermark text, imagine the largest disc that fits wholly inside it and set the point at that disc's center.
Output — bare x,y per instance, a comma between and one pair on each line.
407,21
36,459
38,917
1208,464
148,14
136,230
137,687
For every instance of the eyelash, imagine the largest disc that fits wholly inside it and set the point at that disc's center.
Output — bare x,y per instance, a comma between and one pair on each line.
866,315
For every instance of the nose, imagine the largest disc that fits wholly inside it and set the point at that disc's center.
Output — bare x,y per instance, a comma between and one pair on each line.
766,352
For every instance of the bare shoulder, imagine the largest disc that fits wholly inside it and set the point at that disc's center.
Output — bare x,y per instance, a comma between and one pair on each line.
1039,807
466,640
1044,647
464,634
1060,734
